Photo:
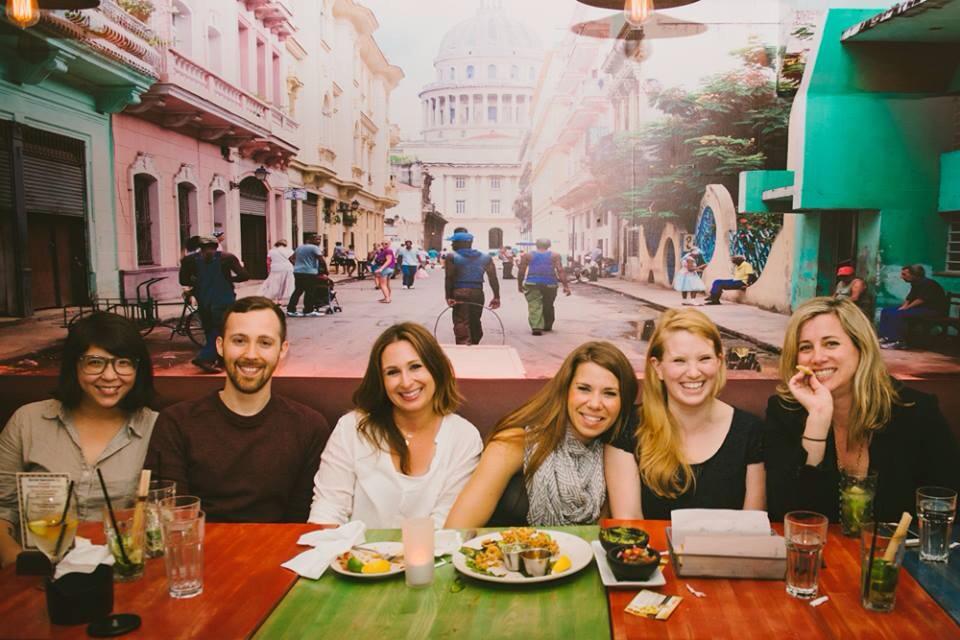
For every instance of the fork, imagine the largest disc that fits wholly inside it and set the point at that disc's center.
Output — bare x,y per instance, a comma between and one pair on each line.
388,558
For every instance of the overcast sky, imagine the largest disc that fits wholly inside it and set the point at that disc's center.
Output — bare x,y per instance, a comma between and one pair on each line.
411,31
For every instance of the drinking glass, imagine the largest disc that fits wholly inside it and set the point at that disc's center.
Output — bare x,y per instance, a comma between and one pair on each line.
806,534
936,509
857,492
879,591
418,551
51,521
183,532
188,504
159,490
130,533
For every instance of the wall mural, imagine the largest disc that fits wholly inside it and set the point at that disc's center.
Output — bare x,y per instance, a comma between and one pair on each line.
705,236
754,237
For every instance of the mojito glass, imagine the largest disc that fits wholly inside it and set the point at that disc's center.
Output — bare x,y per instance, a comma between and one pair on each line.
856,501
128,561
159,489
881,560
936,509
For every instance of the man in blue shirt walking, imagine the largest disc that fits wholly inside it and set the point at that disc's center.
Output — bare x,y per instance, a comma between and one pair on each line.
308,263
465,268
537,279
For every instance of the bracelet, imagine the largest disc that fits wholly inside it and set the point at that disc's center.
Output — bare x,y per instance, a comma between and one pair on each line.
814,439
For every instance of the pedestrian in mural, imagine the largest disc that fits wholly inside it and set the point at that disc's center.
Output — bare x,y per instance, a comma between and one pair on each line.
336,260
279,283
350,260
409,263
506,258
743,277
463,284
307,261
853,288
537,279
925,299
211,274
387,265
687,280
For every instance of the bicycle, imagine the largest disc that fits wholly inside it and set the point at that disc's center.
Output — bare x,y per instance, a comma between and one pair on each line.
188,322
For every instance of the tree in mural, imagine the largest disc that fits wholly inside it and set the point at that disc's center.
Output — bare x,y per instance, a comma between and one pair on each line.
733,122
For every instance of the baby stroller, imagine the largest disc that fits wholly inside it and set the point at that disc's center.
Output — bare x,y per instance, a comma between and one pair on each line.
327,296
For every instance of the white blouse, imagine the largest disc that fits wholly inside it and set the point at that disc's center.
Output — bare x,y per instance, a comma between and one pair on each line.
357,481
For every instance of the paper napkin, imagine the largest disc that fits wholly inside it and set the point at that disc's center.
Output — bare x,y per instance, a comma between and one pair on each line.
84,558
327,545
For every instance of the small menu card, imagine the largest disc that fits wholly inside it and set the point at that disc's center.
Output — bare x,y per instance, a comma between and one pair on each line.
37,484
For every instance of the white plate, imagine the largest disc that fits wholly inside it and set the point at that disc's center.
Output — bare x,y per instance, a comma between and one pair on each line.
384,549
574,547
610,580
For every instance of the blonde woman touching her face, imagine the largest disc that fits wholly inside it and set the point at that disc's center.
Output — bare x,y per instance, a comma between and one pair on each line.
690,449
543,465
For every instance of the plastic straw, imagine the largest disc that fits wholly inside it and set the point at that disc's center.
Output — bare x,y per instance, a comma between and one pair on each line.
63,517
113,518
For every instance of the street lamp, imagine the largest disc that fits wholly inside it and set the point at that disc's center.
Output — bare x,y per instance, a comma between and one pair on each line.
26,13
261,173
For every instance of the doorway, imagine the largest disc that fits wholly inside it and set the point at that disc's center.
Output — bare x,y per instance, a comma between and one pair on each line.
57,252
838,244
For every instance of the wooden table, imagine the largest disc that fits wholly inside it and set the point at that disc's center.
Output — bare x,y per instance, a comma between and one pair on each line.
761,609
338,607
242,583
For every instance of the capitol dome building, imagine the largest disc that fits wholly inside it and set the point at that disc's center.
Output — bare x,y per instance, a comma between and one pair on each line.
486,70
474,117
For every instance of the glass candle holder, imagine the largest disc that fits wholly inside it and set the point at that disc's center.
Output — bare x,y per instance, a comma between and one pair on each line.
418,551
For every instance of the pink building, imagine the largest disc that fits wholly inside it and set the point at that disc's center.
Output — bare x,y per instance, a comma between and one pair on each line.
206,149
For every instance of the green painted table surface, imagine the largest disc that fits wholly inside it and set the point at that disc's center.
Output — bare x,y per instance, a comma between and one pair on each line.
339,607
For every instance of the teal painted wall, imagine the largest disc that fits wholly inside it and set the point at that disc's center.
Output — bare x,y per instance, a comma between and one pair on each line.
754,183
950,182
871,151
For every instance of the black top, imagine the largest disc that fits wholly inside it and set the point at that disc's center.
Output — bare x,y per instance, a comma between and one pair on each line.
721,480
513,506
931,293
916,448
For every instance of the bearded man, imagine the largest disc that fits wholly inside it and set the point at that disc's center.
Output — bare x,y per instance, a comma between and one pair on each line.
248,454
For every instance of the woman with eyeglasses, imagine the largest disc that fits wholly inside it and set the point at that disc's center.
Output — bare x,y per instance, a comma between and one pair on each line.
98,419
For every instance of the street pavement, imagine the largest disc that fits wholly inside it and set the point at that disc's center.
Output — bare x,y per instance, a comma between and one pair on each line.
338,345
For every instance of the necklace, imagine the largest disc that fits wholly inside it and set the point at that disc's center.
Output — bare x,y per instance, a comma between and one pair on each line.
860,447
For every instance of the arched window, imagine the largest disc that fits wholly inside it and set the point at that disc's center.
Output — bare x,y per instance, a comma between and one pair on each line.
514,72
495,238
214,50
182,27
492,71
453,73
187,212
469,72
146,216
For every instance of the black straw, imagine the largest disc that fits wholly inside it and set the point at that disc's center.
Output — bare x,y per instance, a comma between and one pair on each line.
113,518
63,518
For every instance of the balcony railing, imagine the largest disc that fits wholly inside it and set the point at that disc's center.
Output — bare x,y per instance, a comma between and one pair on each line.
182,71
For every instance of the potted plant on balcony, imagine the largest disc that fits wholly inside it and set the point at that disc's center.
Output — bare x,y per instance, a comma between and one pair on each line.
349,219
139,9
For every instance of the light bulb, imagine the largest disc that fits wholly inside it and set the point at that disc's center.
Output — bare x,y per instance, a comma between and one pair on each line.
636,12
23,13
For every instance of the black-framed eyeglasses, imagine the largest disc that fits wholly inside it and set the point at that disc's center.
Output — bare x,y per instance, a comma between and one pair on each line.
94,365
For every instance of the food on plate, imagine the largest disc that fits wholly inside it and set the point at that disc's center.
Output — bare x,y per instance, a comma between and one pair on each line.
633,562
613,536
368,561
489,558
560,565
807,371
530,538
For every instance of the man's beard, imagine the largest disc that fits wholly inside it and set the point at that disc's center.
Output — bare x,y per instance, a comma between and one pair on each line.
249,385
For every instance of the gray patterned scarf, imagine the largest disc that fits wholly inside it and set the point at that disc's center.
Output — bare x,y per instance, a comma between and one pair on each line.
568,487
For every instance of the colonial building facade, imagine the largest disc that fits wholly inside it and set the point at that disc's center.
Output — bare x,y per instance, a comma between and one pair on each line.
474,116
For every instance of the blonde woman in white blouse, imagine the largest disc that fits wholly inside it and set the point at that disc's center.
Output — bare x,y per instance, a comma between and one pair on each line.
402,452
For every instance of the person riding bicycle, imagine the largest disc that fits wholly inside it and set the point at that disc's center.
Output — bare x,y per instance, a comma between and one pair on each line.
211,274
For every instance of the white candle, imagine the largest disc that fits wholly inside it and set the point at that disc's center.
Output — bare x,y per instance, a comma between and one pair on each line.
418,551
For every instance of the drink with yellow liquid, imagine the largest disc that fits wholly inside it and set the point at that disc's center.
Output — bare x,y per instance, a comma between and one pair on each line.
46,533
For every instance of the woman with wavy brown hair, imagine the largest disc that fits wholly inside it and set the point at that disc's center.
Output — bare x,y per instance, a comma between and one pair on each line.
837,408
403,452
690,448
543,464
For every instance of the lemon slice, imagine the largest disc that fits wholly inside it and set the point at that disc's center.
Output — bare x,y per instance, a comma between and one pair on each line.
38,527
376,566
561,565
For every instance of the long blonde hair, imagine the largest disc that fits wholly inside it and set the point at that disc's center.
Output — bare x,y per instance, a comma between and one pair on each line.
663,467
545,414
873,391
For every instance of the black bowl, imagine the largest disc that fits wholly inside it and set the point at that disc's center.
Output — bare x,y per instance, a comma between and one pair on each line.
630,571
616,536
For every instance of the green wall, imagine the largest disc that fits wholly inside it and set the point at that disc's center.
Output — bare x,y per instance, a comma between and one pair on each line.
870,147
